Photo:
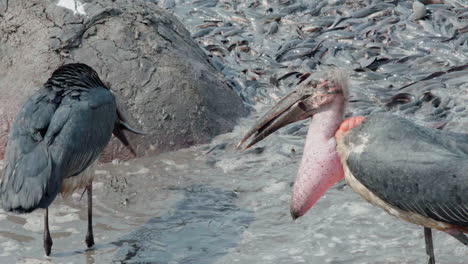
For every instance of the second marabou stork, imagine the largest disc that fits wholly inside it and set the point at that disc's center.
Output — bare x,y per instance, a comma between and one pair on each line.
415,173
57,135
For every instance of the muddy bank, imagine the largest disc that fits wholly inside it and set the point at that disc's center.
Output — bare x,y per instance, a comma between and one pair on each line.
163,79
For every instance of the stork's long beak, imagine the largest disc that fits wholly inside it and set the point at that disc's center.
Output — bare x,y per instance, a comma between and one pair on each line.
300,104
320,166
121,125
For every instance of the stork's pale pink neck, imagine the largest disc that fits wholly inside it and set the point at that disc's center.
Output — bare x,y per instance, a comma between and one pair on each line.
320,166
326,122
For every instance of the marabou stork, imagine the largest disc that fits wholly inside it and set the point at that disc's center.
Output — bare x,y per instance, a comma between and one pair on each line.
415,173
56,136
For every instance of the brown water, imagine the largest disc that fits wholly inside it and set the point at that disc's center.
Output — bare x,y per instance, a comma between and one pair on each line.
213,204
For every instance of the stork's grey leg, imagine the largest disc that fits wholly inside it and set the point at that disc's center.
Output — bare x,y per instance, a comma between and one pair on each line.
89,236
47,239
429,245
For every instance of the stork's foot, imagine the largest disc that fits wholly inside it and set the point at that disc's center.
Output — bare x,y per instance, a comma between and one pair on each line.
47,245
89,240
47,238
90,236
429,246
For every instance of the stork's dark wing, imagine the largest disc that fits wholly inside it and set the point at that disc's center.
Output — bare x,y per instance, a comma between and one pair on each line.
28,165
414,168
54,136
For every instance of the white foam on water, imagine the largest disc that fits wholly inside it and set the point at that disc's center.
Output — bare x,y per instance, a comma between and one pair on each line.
72,230
98,185
64,218
33,261
295,251
319,235
336,240
356,209
320,252
285,197
275,187
268,257
35,222
99,172
9,246
143,170
62,209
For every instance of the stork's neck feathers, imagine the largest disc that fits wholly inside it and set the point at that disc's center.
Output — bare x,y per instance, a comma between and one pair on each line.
336,82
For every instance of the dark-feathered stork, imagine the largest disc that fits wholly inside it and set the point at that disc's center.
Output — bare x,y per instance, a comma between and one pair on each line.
56,136
415,173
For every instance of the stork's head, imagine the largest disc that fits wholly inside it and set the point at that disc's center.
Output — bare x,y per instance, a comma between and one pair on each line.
320,168
75,76
81,77
308,99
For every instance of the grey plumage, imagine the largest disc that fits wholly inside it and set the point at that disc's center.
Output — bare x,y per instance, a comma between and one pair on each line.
60,130
413,168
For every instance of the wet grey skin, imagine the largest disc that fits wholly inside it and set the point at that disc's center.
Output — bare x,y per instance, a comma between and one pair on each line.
58,133
416,173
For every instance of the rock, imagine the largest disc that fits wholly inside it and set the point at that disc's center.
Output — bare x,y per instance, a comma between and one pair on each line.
163,79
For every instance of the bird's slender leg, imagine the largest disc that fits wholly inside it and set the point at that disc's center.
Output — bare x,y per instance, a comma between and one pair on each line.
89,236
429,245
47,239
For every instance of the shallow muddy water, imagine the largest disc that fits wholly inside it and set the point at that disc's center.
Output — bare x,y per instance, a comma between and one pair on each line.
214,204
221,207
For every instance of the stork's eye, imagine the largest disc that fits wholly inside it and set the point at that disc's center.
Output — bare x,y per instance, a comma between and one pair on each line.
302,106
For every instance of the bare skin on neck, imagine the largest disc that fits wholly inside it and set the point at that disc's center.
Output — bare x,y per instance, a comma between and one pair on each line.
320,159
